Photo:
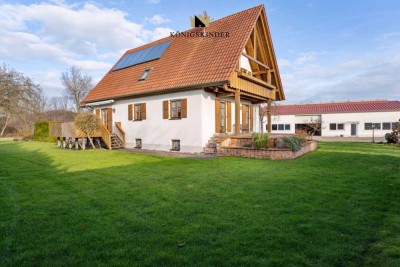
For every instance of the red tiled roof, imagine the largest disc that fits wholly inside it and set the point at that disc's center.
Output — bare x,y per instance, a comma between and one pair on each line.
339,107
187,61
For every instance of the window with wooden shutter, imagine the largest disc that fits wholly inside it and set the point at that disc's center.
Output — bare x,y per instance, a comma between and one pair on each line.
251,117
137,112
165,110
229,116
184,108
143,111
217,116
130,113
175,109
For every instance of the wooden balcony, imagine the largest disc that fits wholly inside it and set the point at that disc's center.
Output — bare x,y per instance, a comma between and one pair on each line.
252,85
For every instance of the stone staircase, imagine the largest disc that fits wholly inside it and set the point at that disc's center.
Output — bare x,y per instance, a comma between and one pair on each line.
211,146
116,143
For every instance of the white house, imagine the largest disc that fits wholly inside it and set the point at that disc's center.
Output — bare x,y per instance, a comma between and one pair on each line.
177,92
340,119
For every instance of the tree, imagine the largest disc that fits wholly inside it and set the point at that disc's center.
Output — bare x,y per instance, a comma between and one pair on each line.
21,101
313,126
88,123
77,85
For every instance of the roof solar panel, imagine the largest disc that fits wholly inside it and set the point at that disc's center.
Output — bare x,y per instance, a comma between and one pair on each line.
141,56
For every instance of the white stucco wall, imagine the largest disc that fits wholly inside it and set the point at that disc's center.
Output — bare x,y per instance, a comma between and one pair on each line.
359,119
156,133
341,118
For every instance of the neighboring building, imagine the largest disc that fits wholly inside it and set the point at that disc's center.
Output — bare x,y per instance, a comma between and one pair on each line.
177,92
341,119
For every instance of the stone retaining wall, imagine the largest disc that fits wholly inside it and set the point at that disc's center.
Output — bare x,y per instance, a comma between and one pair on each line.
225,150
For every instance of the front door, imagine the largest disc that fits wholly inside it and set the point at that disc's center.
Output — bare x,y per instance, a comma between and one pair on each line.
222,116
353,129
106,118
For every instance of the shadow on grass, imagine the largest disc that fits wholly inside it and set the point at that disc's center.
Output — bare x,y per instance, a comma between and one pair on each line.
327,208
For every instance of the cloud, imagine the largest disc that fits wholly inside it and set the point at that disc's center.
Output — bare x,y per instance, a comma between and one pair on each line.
307,80
60,34
157,19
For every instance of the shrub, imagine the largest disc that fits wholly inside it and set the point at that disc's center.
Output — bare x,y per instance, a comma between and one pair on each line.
302,134
260,140
41,132
294,143
279,143
392,138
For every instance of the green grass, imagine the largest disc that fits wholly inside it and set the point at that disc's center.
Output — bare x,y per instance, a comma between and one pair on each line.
337,206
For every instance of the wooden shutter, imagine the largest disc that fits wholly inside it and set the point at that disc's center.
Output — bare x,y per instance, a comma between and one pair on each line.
229,116
251,117
165,109
109,119
143,111
184,108
217,116
130,113
98,112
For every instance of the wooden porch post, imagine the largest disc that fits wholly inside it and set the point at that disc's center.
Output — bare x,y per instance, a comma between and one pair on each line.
269,115
237,111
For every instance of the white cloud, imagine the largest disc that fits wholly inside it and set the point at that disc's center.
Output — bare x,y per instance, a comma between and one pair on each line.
59,35
157,19
307,80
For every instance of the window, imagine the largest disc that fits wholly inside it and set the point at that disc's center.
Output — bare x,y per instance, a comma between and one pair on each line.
332,126
222,115
176,145
280,127
176,109
340,126
138,112
145,74
370,126
386,126
138,143
395,125
377,126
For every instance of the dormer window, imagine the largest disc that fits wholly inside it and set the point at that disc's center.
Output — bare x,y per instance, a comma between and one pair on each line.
145,74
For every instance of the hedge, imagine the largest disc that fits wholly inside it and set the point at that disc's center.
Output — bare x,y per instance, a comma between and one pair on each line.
41,132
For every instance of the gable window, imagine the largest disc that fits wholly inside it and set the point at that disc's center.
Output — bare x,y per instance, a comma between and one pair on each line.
145,74
175,109
176,145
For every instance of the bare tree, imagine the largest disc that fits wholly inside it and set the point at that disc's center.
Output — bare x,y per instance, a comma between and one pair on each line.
76,84
58,103
88,123
313,126
21,101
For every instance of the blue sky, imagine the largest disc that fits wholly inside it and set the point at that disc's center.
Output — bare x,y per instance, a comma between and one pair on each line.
327,50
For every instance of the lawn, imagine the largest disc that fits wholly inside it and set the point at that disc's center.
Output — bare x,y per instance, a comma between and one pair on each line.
337,206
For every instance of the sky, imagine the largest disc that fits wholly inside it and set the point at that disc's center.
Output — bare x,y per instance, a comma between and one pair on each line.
327,50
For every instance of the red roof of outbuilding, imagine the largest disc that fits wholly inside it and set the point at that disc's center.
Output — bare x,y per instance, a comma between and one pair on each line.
338,107
186,62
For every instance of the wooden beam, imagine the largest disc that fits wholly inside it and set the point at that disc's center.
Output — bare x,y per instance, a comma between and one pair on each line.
261,72
255,80
269,115
226,95
255,60
237,111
